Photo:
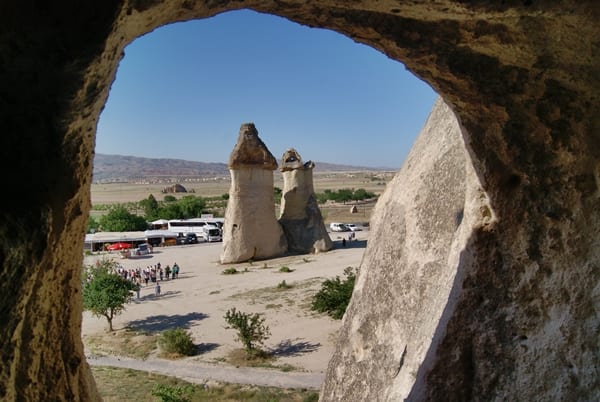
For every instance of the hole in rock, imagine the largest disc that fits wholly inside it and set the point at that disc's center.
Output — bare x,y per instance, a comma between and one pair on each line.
172,119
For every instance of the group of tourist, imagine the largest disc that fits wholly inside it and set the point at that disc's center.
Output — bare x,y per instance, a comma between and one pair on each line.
154,274
149,274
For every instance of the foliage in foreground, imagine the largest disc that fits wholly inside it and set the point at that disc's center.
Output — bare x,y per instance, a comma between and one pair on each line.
104,291
127,385
177,341
251,328
335,294
173,393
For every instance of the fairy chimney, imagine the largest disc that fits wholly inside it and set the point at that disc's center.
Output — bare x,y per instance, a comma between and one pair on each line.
300,214
251,230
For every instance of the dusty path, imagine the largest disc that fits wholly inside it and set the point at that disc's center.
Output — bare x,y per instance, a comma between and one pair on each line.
200,373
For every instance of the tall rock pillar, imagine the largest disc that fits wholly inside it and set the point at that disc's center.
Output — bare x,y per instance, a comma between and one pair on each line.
300,214
251,230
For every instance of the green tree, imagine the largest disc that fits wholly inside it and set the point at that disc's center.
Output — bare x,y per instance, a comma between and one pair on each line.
335,294
344,195
321,198
277,193
104,291
92,225
169,211
170,198
191,206
251,328
119,219
150,207
362,194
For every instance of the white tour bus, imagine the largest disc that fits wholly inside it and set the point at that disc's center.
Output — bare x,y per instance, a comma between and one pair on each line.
206,229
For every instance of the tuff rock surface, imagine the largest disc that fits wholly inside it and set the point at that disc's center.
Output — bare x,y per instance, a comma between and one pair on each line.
251,230
301,217
523,80
418,275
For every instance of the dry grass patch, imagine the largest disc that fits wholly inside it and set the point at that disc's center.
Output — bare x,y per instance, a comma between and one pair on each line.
126,385
269,295
123,342
260,358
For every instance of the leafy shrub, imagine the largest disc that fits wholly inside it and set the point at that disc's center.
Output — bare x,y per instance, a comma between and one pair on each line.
251,329
314,397
285,269
177,341
230,271
169,393
335,294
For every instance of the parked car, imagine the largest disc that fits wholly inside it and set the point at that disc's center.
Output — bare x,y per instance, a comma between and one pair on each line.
142,249
187,238
353,227
338,227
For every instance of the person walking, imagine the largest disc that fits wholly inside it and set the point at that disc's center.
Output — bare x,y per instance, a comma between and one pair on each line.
157,289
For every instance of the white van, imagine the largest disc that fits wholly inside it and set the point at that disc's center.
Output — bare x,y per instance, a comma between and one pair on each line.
338,227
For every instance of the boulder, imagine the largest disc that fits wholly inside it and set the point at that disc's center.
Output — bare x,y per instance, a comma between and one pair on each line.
301,217
251,231
175,188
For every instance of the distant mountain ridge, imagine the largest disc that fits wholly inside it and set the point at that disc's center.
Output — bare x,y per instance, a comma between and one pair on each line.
114,168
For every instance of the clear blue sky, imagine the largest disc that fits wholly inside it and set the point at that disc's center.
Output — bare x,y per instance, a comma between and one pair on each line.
183,91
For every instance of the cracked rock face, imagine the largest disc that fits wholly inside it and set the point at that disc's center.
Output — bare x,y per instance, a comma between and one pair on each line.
301,217
520,321
251,230
432,227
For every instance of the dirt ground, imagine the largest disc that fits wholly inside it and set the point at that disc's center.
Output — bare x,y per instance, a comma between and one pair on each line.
199,298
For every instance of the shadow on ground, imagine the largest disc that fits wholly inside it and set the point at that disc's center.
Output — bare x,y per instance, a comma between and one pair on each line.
157,323
152,296
338,244
206,347
288,348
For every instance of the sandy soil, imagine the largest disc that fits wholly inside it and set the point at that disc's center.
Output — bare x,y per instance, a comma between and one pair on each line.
199,298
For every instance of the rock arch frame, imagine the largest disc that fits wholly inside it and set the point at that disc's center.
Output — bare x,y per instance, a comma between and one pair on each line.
522,77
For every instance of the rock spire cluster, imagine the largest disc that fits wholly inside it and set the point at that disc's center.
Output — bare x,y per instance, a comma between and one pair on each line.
251,230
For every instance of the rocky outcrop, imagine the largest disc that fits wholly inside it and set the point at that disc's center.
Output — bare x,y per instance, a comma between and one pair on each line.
522,77
251,230
421,270
301,217
175,188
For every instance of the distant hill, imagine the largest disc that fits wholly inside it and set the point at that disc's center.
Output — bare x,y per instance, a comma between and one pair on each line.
117,168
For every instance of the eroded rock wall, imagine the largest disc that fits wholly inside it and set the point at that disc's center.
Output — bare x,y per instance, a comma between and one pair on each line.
301,217
413,268
523,79
251,230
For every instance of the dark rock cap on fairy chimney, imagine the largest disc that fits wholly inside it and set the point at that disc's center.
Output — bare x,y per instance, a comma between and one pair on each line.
250,151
